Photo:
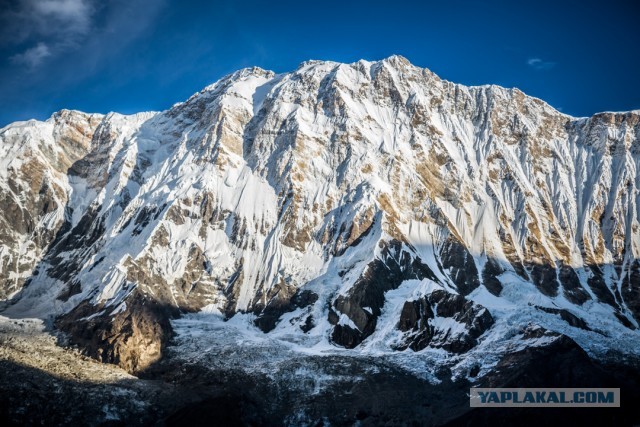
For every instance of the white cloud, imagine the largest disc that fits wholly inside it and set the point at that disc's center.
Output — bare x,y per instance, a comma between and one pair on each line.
85,32
76,14
539,64
49,26
32,57
46,18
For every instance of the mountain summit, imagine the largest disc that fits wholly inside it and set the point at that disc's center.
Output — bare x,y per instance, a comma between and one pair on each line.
369,206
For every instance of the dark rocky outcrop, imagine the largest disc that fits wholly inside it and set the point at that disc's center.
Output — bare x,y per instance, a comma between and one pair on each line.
567,316
599,287
560,362
462,267
570,281
490,275
364,301
269,316
417,316
545,278
132,336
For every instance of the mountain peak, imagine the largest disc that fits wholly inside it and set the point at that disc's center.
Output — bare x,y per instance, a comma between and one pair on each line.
397,60
367,205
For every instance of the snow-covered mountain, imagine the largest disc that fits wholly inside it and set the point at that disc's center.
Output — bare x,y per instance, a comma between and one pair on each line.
369,206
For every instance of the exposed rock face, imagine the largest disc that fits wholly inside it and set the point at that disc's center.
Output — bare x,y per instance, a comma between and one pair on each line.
364,301
443,320
36,158
133,335
351,181
270,315
462,267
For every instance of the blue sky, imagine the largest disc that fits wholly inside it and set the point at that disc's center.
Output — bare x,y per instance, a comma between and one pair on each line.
136,55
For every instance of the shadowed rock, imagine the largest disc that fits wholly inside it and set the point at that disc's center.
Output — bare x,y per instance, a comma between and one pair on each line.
132,335
417,321
364,301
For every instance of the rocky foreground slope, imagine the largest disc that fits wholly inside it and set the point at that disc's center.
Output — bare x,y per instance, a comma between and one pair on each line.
366,210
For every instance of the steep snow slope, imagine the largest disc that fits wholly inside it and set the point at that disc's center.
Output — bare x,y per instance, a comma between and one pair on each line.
370,205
